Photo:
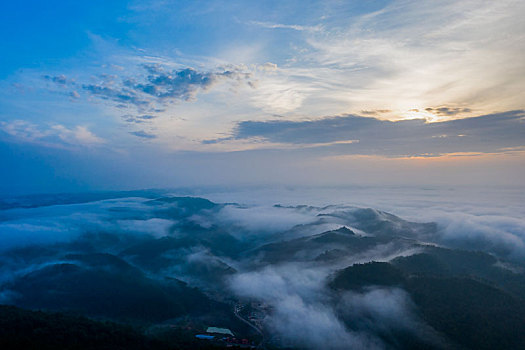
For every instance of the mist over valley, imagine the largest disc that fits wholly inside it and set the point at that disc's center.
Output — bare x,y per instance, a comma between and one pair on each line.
278,276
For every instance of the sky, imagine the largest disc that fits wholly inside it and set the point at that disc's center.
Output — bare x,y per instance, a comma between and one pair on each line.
100,95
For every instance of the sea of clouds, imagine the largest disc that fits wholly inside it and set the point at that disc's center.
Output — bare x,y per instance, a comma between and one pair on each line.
305,313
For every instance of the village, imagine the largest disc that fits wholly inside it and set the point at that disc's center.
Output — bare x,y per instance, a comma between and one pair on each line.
224,335
251,313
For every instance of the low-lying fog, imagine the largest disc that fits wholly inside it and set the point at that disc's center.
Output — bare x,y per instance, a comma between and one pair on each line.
270,246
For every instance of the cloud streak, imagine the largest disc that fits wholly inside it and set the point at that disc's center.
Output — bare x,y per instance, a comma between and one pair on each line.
297,27
352,134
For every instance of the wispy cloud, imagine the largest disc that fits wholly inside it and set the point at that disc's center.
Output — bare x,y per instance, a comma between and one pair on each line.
297,27
56,135
421,54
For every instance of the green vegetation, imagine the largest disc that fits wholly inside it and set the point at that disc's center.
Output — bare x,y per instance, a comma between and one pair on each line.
36,330
103,285
463,295
361,275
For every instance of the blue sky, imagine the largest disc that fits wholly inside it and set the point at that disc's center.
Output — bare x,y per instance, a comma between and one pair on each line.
126,94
